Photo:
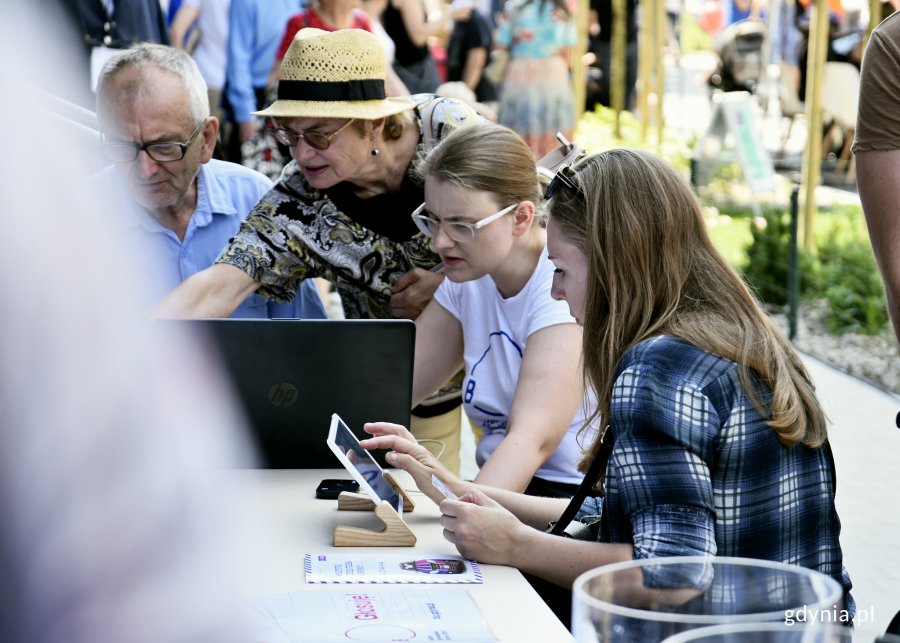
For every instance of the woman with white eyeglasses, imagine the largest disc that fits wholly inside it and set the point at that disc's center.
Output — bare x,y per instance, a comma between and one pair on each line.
494,314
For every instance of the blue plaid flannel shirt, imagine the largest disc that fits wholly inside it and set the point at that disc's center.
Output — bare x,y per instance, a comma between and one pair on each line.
696,471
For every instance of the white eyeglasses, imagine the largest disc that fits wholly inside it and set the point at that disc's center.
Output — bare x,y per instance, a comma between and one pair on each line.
459,231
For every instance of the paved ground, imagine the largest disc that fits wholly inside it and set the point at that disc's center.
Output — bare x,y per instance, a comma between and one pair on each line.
866,444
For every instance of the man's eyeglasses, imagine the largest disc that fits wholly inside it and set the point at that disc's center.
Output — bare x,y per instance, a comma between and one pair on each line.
316,140
459,231
164,152
565,177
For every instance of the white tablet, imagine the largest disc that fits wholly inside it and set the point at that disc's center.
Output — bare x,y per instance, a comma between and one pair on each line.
361,465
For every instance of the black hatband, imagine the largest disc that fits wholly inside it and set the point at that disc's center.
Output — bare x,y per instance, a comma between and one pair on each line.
367,89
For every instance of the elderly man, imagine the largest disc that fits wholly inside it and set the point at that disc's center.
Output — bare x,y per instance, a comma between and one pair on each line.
178,204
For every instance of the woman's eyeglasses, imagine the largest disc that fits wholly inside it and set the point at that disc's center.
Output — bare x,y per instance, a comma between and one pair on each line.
164,152
459,231
316,140
565,177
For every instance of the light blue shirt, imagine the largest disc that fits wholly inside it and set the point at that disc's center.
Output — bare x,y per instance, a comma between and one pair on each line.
226,192
210,52
255,31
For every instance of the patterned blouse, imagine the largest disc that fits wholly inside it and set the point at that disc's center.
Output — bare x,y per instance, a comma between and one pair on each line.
296,231
697,471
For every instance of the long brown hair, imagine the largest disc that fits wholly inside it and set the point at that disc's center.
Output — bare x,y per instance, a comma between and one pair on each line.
654,271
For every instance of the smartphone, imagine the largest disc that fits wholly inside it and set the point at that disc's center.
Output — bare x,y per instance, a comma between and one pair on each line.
331,488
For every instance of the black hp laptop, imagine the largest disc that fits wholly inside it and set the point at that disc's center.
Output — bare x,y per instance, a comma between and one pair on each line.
291,375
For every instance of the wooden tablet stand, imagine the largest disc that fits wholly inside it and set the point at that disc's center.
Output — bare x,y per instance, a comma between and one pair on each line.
395,533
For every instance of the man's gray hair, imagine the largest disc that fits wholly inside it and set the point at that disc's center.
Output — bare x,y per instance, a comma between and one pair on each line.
170,59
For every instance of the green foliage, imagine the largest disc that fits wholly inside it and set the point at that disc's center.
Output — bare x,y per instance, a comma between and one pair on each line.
843,272
852,287
721,183
597,132
840,223
730,235
767,264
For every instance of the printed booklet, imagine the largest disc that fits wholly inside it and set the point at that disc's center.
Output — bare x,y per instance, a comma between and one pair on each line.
390,568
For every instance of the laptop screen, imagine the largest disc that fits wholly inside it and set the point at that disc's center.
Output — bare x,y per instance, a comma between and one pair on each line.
291,375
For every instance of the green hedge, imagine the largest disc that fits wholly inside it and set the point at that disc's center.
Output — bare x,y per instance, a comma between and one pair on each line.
852,287
842,271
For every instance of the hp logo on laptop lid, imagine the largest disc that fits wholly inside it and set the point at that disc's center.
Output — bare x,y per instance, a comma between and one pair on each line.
283,395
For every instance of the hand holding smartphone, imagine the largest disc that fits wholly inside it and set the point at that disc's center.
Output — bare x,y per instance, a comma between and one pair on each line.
444,489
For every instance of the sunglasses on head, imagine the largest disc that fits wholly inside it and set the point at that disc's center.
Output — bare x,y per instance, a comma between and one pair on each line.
565,178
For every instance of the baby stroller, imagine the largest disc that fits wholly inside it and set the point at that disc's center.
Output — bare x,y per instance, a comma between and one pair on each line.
740,51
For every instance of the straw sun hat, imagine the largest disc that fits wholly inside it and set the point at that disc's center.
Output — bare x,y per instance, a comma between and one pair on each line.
334,74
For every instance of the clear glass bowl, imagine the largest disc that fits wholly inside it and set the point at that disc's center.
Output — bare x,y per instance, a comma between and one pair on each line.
650,600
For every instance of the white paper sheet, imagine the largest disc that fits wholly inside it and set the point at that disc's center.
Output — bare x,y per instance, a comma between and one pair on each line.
371,614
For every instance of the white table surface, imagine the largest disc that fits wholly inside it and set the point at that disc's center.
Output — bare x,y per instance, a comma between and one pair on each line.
294,522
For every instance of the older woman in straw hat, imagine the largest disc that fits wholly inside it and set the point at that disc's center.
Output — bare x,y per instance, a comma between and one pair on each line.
342,207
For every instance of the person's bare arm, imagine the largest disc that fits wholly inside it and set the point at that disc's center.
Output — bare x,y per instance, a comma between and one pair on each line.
393,86
879,190
439,350
485,531
756,9
474,65
214,292
548,392
415,22
248,129
274,73
405,453
417,25
181,23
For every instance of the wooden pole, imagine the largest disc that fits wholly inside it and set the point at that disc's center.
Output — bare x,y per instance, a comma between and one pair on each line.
812,155
659,17
579,74
645,52
617,62
874,18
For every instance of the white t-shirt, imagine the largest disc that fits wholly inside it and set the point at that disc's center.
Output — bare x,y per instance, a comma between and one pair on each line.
386,43
495,332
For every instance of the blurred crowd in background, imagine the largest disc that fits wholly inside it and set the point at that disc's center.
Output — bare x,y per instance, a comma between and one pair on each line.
511,59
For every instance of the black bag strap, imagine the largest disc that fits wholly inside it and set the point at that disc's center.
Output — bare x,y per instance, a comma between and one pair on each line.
590,478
